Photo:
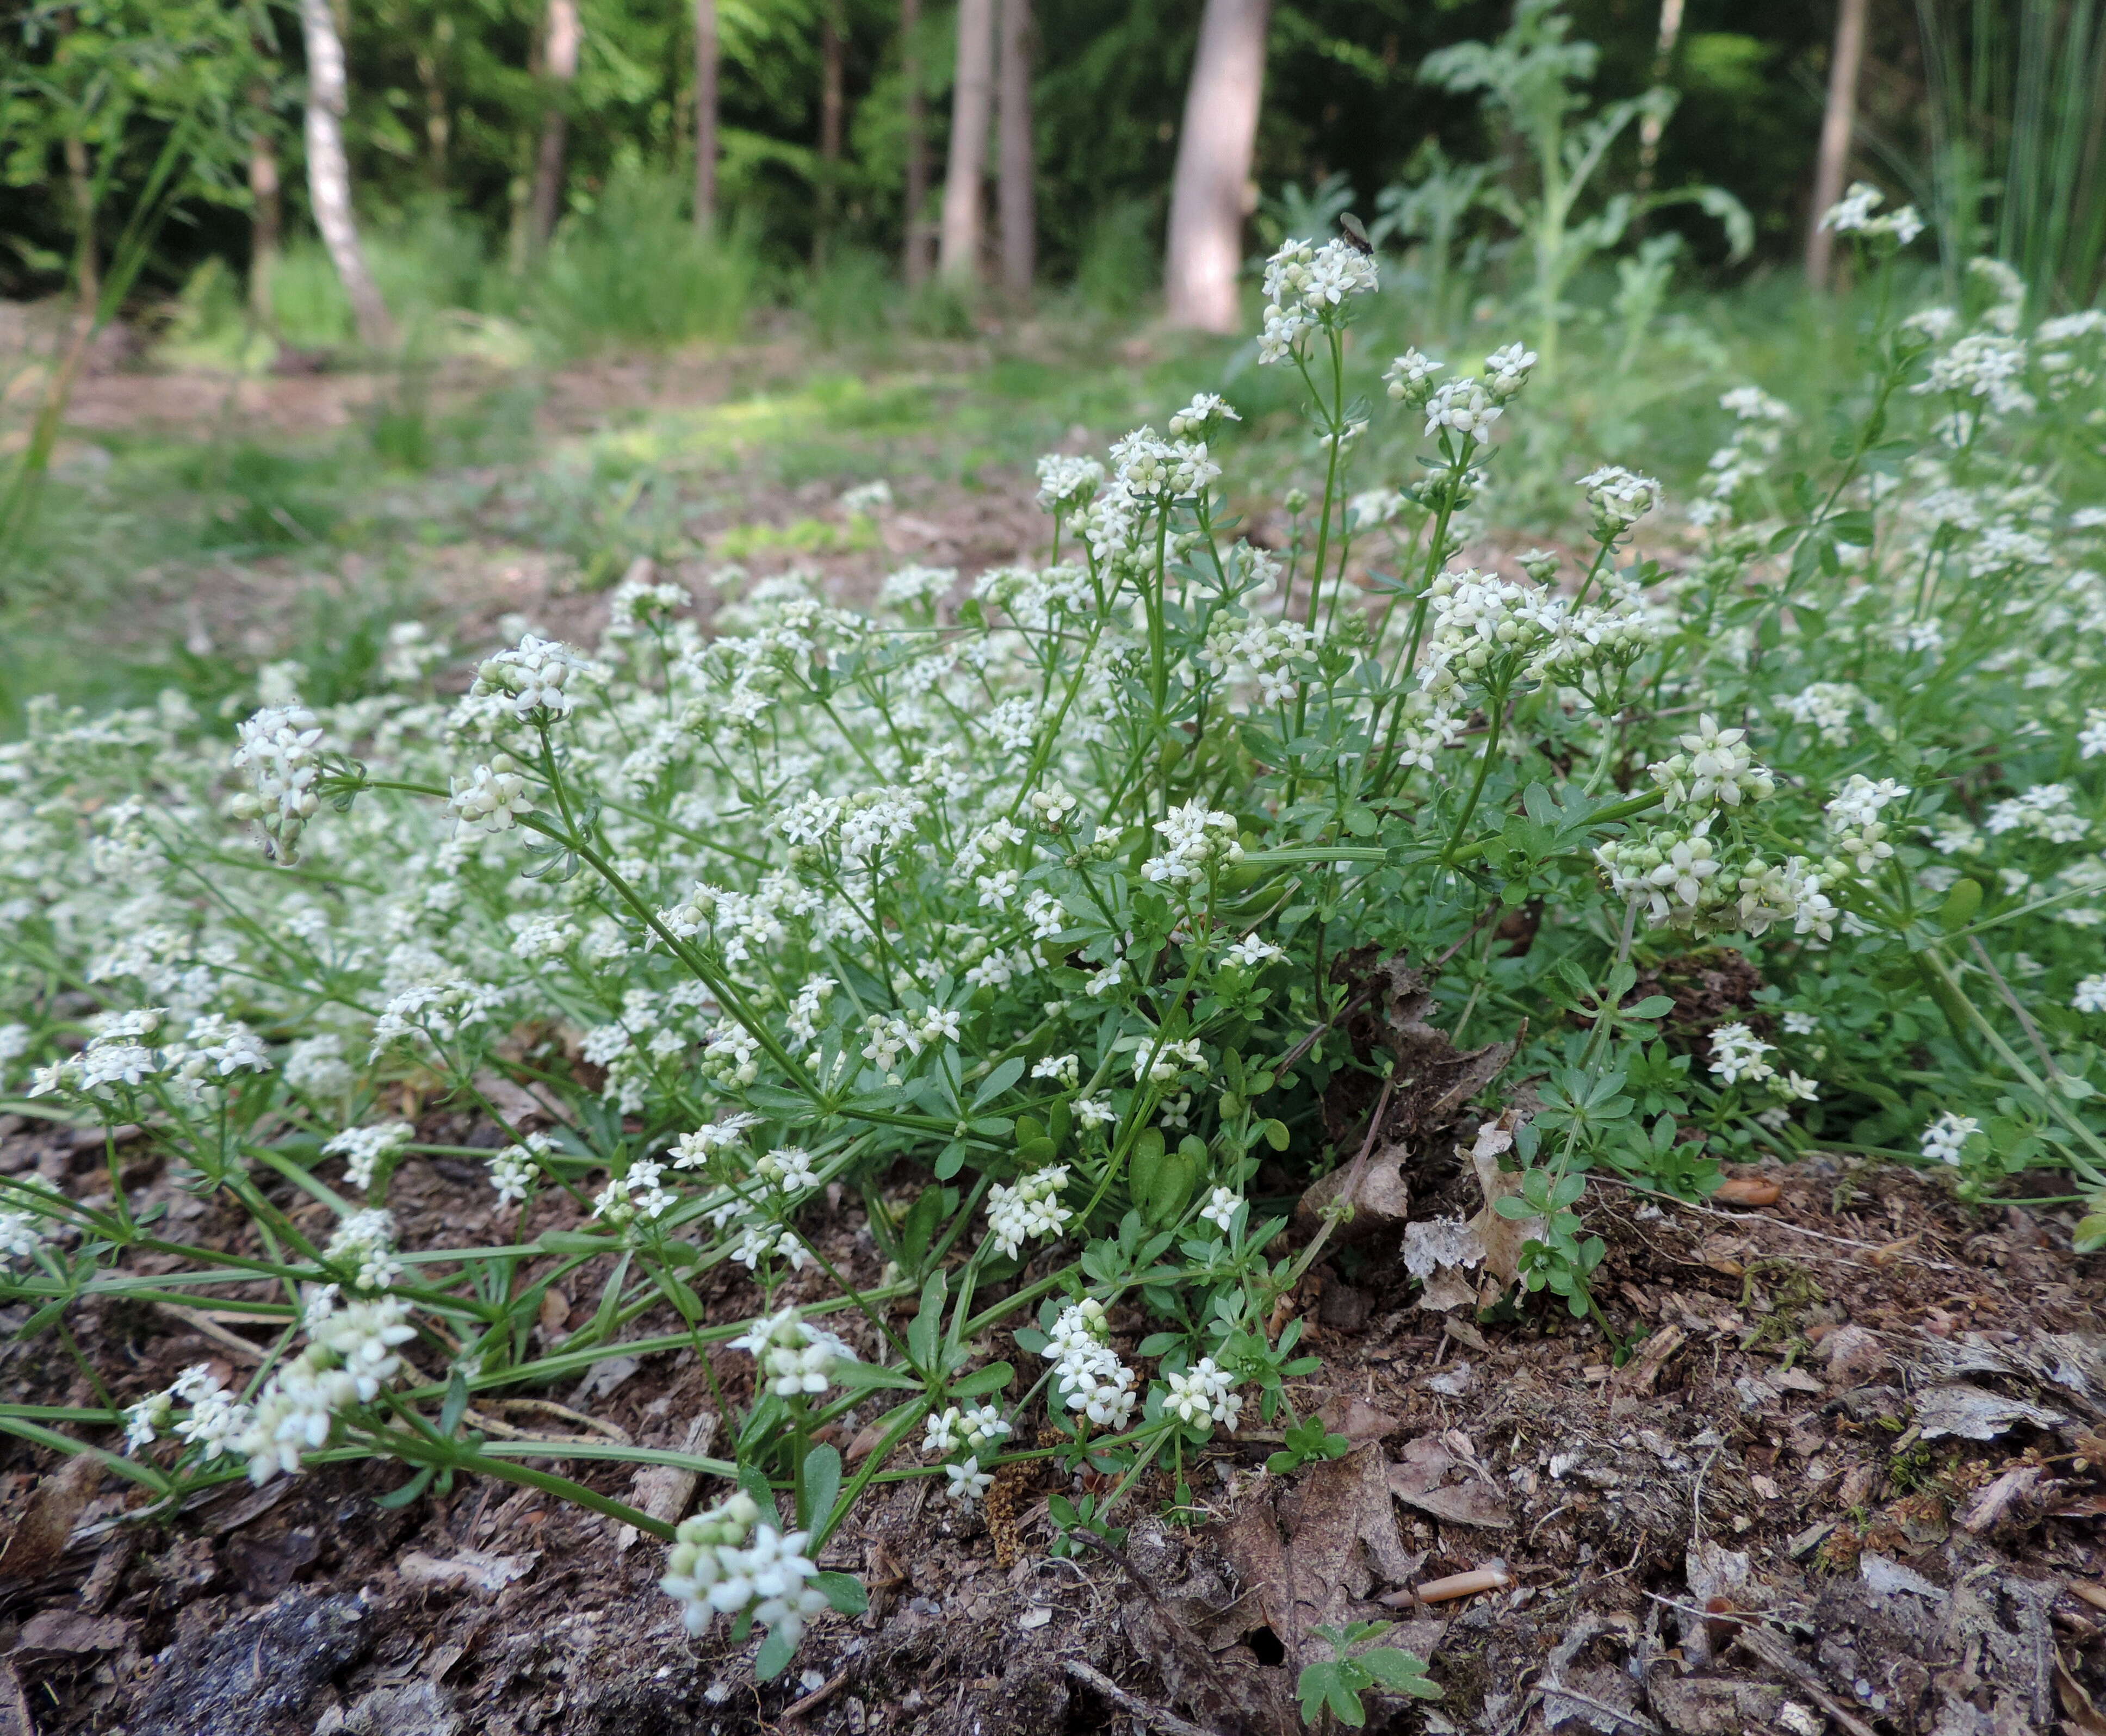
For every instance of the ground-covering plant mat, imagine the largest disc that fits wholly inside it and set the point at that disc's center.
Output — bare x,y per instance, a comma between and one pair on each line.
1851,1478
1215,1134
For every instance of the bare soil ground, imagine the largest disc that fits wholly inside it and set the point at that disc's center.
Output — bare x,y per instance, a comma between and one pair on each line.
1851,1479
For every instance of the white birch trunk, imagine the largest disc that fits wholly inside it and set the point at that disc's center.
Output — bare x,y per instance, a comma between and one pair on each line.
329,175
1214,153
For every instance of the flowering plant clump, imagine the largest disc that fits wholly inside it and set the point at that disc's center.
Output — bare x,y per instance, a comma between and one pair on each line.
972,971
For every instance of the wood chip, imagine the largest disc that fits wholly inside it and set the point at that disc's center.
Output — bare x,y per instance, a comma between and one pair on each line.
469,1570
39,1538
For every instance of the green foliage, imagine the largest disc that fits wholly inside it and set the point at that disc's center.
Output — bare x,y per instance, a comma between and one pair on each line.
1334,1688
634,272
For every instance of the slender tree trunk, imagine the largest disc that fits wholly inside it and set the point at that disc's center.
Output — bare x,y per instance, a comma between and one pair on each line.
917,144
1834,161
1214,153
438,122
971,99
266,219
832,110
329,175
80,185
706,115
565,35
1650,125
1016,191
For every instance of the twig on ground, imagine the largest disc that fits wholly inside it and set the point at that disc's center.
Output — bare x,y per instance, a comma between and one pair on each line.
1761,1643
233,1343
1144,1711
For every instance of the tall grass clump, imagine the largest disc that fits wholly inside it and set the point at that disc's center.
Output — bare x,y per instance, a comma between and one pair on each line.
2018,115
633,272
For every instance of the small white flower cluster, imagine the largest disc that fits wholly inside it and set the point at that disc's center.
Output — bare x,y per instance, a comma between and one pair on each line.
1738,1055
532,680
866,497
2091,996
1946,1138
1468,405
24,1229
1305,285
976,1428
277,749
1030,1210
1716,767
1619,499
728,1562
1065,484
2045,811
1853,214
1827,706
1166,1064
493,797
1857,835
641,1193
364,1242
796,1360
1202,419
351,1353
1196,838
643,603
1152,470
919,589
363,1148
1679,880
1271,653
1985,368
1087,1374
514,1170
1204,1394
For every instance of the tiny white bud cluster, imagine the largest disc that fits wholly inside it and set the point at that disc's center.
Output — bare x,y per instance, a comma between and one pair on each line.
1196,838
1305,287
1715,767
533,679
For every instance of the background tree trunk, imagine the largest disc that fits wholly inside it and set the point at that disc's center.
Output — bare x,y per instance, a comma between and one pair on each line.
1834,161
565,36
971,99
832,108
266,219
329,176
706,115
1015,183
917,145
1214,152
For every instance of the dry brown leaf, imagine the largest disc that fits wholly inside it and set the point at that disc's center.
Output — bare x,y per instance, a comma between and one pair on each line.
1313,1553
39,1537
665,1491
1992,1503
1638,1375
1463,1504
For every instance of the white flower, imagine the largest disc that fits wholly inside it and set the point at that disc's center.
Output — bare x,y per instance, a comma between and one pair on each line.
1202,1394
1410,378
532,679
968,1482
1202,419
1801,1024
1031,1209
1094,1112
277,749
1737,1053
795,1359
1619,499
513,1169
492,797
1507,371
1854,210
1196,838
363,1148
1067,1069
638,1194
1221,1207
2090,996
1945,1137
365,1242
1250,952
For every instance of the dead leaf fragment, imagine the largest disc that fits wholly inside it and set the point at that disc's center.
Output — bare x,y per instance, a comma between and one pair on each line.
39,1537
1501,1237
69,1630
469,1570
1973,1413
1748,1190
1993,1503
